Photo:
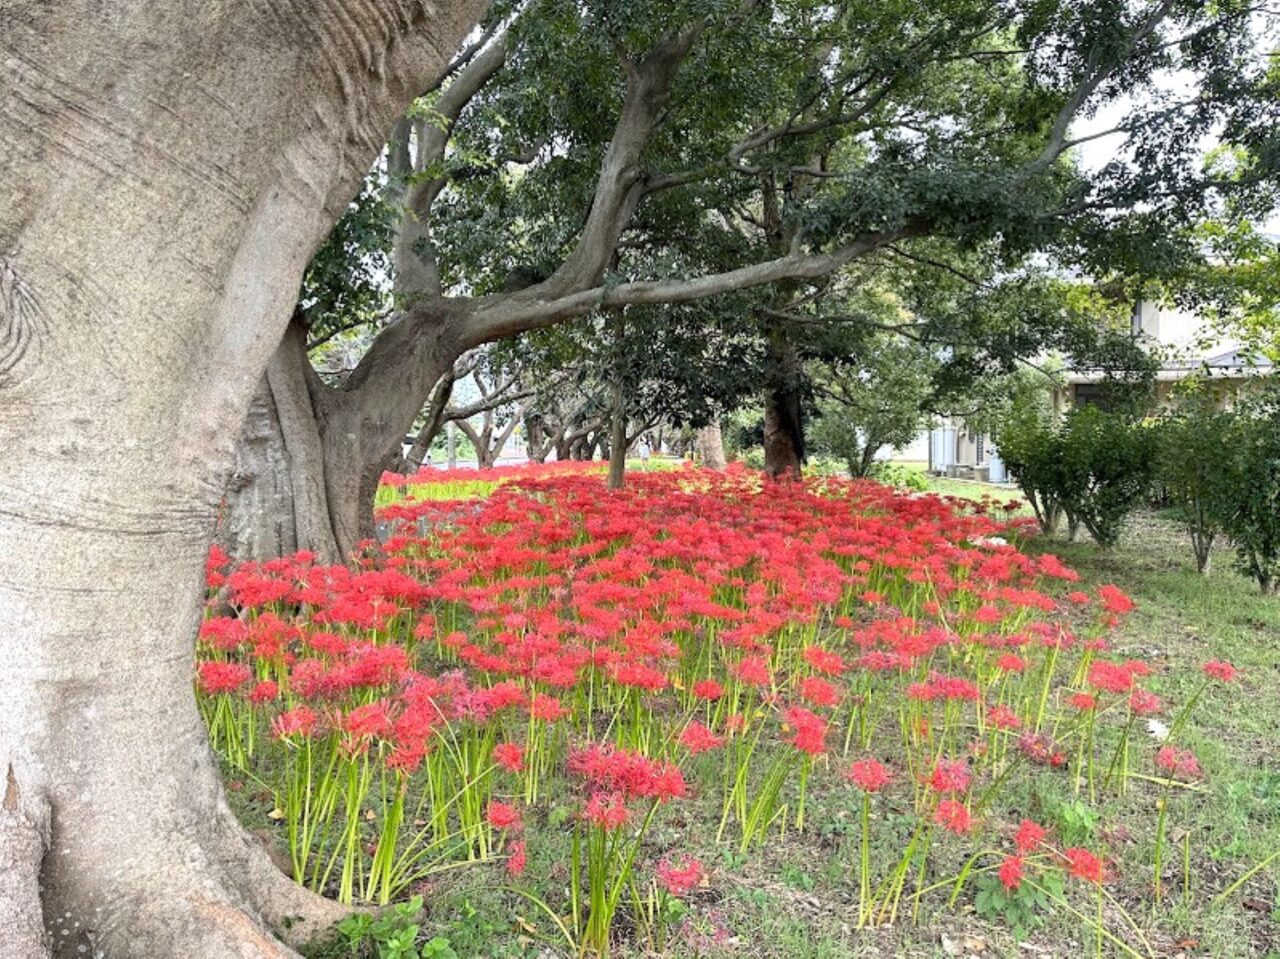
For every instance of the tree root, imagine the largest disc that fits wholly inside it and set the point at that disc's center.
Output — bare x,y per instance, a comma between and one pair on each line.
298,914
24,837
215,894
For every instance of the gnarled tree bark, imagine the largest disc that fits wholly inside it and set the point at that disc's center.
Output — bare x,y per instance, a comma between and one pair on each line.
168,171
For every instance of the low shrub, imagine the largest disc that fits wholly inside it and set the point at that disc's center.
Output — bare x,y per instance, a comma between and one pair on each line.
902,477
1193,466
1093,467
1246,502
1106,466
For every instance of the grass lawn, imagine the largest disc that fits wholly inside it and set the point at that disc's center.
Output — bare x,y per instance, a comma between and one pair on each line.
1184,618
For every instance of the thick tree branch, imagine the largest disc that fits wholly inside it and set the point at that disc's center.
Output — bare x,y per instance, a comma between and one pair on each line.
1101,67
620,184
497,317
465,55
417,272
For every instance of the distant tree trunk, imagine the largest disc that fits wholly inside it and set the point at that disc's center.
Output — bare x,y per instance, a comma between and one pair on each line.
868,458
1073,526
784,451
479,441
710,444
488,447
617,435
537,444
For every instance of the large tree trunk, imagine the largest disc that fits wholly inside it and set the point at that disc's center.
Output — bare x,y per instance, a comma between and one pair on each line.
309,457
783,407
277,500
168,170
710,445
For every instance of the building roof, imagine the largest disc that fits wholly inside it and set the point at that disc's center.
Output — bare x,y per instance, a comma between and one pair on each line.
1233,364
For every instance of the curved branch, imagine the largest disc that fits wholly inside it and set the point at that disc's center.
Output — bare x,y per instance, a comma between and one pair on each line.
416,271
621,185
497,317
1057,143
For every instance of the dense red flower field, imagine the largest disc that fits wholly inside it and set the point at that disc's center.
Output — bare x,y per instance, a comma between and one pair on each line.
697,637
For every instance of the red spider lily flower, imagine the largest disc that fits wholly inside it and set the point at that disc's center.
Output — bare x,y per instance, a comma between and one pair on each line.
504,695
953,816
810,730
503,815
1082,864
753,671
300,721
1079,598
510,756
372,719
518,859
216,561
1111,677
1178,762
1144,703
264,692
1029,836
697,738
1219,670
950,776
1050,565
224,633
819,692
666,783
824,661
1002,717
628,773
407,757
869,775
1083,702
1010,872
987,615
708,689
606,810
217,677
640,676
1114,601
546,708
1011,663
1038,748
679,881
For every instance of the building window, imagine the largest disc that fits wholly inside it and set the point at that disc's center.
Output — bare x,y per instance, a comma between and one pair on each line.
1089,394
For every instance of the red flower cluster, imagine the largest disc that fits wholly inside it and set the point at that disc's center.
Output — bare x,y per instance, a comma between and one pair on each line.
686,611
681,880
869,775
